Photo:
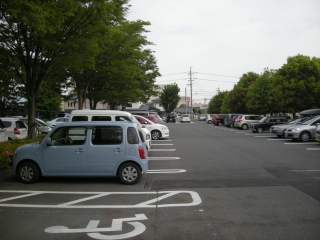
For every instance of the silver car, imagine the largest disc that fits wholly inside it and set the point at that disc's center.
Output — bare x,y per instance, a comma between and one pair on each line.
279,129
318,133
305,131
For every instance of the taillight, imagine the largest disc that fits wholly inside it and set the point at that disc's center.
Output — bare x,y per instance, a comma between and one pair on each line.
16,131
141,153
239,120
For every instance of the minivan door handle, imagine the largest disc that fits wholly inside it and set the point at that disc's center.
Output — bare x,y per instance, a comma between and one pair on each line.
117,150
79,150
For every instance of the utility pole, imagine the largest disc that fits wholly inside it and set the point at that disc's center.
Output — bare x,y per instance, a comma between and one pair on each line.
191,91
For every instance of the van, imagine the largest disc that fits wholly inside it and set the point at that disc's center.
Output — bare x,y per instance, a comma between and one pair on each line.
85,149
109,115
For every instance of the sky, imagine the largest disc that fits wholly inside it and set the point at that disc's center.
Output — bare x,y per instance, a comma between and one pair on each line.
220,40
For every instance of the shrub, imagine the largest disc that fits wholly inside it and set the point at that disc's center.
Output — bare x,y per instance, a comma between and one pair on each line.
7,150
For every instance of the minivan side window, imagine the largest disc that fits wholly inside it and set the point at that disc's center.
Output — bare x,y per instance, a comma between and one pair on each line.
123,118
132,135
69,136
101,118
79,118
107,135
1,124
7,124
20,124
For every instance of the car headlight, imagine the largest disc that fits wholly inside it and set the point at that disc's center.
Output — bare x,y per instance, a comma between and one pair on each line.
295,129
163,127
148,137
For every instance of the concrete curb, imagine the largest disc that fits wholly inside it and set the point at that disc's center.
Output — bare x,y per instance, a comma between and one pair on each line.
4,173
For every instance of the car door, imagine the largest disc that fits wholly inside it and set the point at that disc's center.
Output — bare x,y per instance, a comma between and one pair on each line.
107,148
313,128
67,153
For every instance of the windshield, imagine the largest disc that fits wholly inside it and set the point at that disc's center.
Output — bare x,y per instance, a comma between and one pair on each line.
263,119
185,115
308,121
295,121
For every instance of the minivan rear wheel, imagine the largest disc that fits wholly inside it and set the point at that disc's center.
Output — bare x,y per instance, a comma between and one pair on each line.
130,173
245,127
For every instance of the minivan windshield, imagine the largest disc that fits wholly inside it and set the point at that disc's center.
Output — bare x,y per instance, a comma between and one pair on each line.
263,119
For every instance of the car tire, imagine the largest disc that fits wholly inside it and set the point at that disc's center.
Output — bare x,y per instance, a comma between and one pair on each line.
28,172
129,173
219,124
155,135
259,130
245,127
209,122
305,136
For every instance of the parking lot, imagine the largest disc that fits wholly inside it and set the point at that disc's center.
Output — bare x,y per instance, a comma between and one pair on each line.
204,182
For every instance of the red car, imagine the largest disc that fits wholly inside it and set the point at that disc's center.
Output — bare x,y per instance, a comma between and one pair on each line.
214,119
151,118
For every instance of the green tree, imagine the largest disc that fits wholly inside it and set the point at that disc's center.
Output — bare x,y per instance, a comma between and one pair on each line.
169,97
259,97
216,102
43,36
237,96
225,104
297,84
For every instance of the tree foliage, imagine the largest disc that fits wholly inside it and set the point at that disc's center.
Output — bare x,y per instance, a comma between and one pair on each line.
216,102
169,97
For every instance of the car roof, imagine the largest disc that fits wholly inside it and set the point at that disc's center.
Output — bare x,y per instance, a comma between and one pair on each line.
10,119
97,123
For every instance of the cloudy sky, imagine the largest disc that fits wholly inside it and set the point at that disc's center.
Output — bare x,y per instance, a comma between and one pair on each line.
220,40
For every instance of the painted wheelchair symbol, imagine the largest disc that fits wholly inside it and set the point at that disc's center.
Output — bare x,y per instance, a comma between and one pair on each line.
93,231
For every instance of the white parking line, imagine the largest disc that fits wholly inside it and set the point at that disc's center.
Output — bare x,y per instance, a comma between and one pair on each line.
161,150
262,136
167,171
162,144
161,140
279,139
303,143
316,149
304,170
163,158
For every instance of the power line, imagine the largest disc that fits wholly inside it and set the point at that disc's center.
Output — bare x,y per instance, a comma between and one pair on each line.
218,75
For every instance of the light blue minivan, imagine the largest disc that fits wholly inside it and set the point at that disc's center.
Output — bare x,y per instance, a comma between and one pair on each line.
85,149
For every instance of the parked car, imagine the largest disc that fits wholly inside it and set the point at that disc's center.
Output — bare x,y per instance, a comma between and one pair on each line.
16,128
171,117
3,132
214,118
157,130
43,127
159,119
151,118
265,123
85,149
209,118
230,118
318,133
185,118
303,132
244,121
280,128
202,117
56,121
164,117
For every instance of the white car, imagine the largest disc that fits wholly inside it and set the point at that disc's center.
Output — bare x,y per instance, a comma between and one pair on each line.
16,128
58,121
146,135
185,118
3,132
157,130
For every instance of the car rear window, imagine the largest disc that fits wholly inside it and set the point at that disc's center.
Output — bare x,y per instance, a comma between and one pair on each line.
132,136
1,124
107,135
101,118
79,118
20,124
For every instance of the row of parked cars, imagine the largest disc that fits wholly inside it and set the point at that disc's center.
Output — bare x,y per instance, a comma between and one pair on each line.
304,128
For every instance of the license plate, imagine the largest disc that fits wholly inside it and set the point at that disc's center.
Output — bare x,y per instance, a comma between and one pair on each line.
318,137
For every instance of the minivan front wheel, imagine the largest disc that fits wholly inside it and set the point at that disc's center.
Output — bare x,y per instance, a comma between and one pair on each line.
305,136
155,135
245,127
28,172
130,173
259,130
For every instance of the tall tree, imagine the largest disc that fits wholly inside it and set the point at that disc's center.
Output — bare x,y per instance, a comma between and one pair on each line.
216,102
42,36
169,97
237,96
297,84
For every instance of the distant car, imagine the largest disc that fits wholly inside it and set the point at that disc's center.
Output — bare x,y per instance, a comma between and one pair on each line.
265,123
157,130
185,118
158,118
280,128
244,121
318,133
202,117
3,132
42,126
58,121
303,132
16,128
209,118
171,118
151,118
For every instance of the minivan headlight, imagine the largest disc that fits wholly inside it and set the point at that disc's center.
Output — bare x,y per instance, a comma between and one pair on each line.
163,127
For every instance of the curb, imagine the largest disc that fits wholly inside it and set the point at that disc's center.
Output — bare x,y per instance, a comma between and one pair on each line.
4,173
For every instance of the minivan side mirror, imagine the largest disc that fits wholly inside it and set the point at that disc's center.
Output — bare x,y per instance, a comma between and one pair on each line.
49,142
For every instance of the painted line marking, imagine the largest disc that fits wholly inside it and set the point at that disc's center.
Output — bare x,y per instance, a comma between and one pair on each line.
304,170
163,158
162,150
161,140
279,139
167,171
314,149
262,136
311,143
196,200
162,144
